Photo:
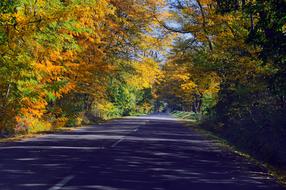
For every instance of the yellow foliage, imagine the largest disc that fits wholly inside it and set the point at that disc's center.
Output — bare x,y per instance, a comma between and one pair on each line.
147,71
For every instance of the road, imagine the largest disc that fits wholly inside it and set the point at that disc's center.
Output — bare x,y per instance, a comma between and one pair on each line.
155,152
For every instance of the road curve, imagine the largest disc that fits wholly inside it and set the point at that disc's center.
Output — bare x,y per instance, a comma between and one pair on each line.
155,152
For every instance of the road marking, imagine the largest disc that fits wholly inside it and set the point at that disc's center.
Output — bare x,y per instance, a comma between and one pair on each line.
117,142
62,183
120,140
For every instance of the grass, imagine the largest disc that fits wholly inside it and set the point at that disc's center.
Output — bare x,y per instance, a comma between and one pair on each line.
45,130
35,134
191,120
188,116
52,130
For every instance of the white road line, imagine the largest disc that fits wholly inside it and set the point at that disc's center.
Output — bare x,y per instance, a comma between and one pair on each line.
120,140
62,183
117,142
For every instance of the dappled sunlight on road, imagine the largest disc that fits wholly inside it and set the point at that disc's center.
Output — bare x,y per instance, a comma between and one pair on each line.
127,154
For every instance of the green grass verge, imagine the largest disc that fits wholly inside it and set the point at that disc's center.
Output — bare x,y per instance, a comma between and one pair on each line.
36,134
54,130
189,116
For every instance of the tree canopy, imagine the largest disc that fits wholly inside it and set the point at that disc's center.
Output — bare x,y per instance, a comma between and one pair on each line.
227,64
61,59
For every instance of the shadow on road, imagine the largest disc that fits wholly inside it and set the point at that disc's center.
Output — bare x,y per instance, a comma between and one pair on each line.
144,153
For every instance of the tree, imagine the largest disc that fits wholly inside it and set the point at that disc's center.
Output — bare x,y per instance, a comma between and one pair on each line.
56,51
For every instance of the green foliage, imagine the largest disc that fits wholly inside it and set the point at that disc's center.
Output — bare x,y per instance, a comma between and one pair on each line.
233,68
58,59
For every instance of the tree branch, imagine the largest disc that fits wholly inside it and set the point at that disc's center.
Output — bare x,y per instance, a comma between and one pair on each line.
204,24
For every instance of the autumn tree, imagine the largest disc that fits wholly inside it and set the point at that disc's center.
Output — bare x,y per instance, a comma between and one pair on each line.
237,45
55,52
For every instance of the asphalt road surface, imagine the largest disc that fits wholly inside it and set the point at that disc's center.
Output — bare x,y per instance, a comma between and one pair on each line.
155,152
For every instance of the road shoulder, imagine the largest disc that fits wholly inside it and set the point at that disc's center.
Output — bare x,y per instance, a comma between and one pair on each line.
278,175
